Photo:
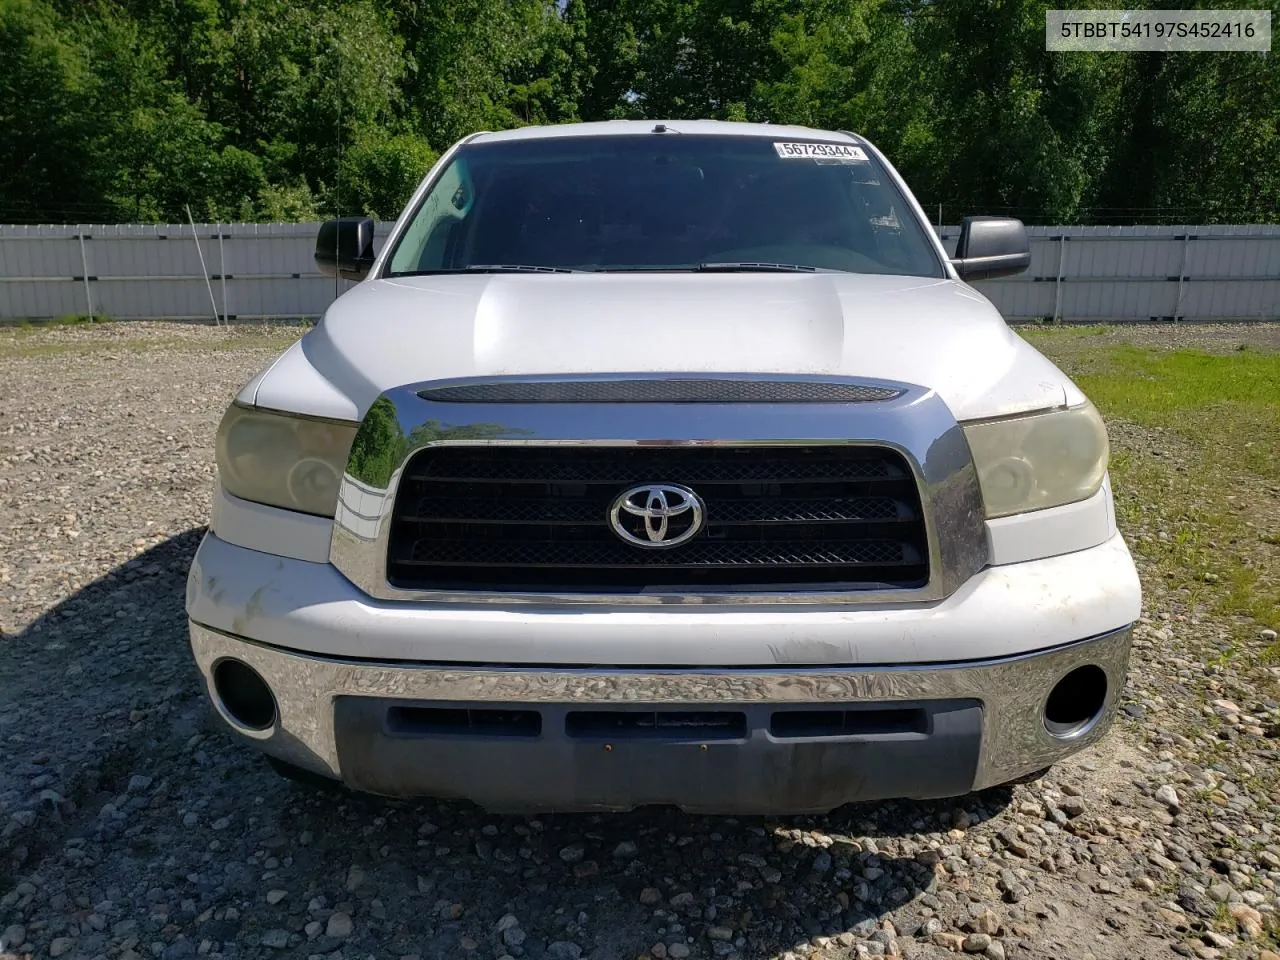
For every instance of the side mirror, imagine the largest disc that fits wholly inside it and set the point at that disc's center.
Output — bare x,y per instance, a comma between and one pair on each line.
991,247
344,247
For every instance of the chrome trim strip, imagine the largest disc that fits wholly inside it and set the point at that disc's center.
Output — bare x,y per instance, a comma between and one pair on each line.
916,423
1013,691
640,388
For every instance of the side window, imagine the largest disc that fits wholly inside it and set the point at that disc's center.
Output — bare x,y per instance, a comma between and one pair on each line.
429,240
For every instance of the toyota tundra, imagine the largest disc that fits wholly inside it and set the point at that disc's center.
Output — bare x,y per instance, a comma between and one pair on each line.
663,463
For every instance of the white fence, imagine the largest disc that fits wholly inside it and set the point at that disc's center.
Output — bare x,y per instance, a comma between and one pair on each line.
251,271
1109,274
145,271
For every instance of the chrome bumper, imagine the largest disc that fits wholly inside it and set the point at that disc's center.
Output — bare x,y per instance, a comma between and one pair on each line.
1012,693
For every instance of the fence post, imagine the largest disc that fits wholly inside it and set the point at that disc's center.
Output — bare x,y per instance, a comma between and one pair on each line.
84,265
203,269
222,270
1057,287
1182,277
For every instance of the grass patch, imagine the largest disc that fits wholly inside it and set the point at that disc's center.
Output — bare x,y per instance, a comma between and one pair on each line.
67,320
1228,404
12,349
1196,489
1043,331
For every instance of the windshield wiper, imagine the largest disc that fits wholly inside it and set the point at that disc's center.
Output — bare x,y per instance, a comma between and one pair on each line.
750,266
486,268
515,268
727,266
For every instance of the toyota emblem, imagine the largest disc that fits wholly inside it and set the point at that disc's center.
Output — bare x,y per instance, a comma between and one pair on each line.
657,515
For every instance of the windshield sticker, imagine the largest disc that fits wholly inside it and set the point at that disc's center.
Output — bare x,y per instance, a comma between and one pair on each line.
820,151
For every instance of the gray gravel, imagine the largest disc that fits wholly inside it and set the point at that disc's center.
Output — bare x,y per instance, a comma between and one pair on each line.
131,826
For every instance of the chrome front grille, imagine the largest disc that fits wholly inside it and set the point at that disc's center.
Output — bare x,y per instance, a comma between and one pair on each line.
501,491
536,518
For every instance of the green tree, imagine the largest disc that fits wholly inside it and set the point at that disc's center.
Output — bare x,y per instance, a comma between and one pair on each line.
281,109
1197,141
380,171
485,65
45,155
294,82
154,149
824,65
1014,128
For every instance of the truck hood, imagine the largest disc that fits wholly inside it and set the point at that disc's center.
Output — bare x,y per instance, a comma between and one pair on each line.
937,333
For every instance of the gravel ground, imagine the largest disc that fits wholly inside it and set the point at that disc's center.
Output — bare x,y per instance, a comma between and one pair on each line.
131,826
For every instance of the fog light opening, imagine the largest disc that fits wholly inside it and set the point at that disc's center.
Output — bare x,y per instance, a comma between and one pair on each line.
1076,702
244,695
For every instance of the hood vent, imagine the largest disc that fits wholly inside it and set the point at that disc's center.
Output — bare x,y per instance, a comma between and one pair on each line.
660,390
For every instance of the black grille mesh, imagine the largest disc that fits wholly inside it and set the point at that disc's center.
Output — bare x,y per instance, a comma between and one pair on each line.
657,390
704,553
623,466
583,510
510,518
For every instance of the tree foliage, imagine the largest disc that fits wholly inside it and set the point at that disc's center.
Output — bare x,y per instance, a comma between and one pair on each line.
285,109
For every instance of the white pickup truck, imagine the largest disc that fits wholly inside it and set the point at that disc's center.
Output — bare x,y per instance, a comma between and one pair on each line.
664,463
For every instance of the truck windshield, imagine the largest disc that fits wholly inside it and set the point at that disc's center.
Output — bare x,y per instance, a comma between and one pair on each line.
663,202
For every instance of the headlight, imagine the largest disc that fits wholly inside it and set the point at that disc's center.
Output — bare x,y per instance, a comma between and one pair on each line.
282,460
1038,461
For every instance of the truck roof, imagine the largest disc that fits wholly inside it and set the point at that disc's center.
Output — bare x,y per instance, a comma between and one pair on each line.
635,127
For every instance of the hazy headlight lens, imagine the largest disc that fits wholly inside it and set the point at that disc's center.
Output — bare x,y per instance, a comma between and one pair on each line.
1039,461
284,461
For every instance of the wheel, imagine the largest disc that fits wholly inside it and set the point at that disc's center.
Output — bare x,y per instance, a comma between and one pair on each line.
300,775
